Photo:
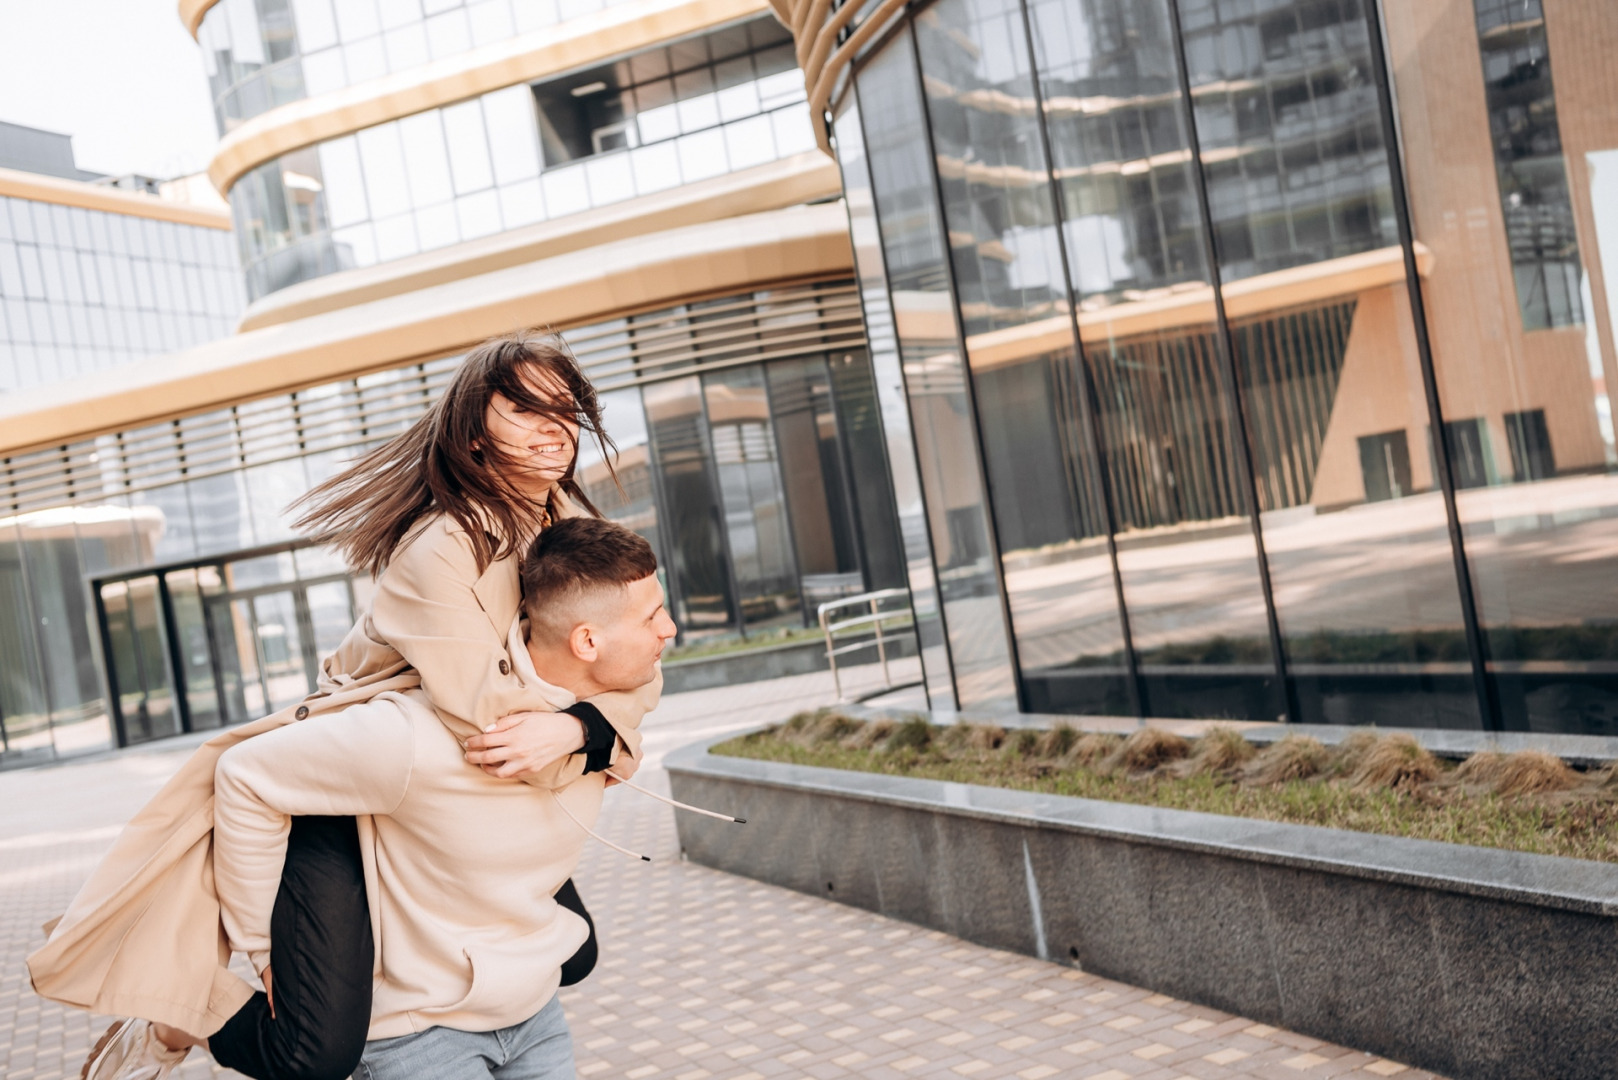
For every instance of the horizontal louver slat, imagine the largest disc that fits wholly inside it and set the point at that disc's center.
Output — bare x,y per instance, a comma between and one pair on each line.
356,414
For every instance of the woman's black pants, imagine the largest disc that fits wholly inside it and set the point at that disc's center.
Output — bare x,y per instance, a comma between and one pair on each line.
320,931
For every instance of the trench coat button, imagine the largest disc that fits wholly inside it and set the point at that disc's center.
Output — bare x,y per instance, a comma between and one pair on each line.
505,668
302,713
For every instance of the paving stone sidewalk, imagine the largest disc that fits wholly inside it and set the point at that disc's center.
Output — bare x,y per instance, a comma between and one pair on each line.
703,974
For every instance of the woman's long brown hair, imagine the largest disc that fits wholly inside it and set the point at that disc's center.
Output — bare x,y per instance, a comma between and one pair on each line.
447,463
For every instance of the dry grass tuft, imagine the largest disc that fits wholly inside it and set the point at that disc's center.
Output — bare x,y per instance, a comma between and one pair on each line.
1397,761
820,726
1093,748
1056,742
914,734
1296,757
1534,772
1481,771
869,734
1020,744
1146,749
1347,755
986,737
1221,750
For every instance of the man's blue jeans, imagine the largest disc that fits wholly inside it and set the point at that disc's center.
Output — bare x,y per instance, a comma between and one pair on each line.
539,1048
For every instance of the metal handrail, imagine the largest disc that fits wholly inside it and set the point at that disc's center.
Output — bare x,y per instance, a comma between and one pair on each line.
875,618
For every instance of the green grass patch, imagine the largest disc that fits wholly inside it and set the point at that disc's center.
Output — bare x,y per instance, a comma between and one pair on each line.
1370,783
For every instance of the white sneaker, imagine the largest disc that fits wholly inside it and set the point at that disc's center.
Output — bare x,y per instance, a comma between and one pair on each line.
130,1051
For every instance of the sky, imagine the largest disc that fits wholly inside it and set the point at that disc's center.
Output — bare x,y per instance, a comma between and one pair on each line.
123,77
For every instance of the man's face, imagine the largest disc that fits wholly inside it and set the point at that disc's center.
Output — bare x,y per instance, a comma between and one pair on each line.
629,642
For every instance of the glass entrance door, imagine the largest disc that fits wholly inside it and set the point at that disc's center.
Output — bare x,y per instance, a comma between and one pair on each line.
137,644
196,647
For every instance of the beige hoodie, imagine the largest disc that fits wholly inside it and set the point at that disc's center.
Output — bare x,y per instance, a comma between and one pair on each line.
461,871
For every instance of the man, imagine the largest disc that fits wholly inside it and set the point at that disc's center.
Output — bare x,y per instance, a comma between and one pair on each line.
461,866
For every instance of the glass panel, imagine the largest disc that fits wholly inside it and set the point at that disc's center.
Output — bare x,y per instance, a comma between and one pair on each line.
812,471
1504,109
24,712
631,501
935,379
888,386
280,649
1006,251
64,623
194,650
755,510
1132,232
698,572
859,424
146,694
232,643
331,614
1354,524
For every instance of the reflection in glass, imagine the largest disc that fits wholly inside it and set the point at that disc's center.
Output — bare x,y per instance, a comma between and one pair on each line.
1486,134
250,53
1011,286
667,91
1534,195
1131,229
140,650
280,642
859,422
756,523
24,711
631,500
331,613
698,563
1354,524
282,224
898,450
915,247
193,650
816,481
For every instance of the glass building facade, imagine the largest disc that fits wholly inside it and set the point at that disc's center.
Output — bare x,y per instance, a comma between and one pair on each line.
1249,360
671,115
151,582
259,54
83,290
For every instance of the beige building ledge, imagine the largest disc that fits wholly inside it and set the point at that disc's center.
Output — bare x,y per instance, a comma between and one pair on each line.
192,11
799,243
593,39
52,189
928,317
798,179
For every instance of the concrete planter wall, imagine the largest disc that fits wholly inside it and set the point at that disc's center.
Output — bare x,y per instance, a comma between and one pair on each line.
1471,962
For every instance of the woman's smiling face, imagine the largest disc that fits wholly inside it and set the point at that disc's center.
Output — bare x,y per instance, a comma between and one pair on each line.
539,449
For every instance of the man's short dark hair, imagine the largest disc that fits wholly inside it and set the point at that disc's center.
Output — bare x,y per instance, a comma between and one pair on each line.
575,557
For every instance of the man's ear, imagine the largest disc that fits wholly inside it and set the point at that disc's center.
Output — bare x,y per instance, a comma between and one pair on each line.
581,641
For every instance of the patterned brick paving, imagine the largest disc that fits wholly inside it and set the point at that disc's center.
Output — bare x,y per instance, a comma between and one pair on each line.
703,974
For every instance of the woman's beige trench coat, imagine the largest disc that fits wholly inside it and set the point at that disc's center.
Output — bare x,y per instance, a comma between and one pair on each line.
143,937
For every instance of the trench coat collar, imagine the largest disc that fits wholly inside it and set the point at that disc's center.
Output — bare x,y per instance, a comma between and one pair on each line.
499,588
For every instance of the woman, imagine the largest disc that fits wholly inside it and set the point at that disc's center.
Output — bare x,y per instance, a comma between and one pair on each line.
440,515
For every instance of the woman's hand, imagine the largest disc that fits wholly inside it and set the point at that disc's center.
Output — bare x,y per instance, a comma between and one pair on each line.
625,767
525,743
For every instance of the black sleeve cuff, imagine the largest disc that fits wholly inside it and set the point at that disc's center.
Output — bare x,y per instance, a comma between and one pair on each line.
599,736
